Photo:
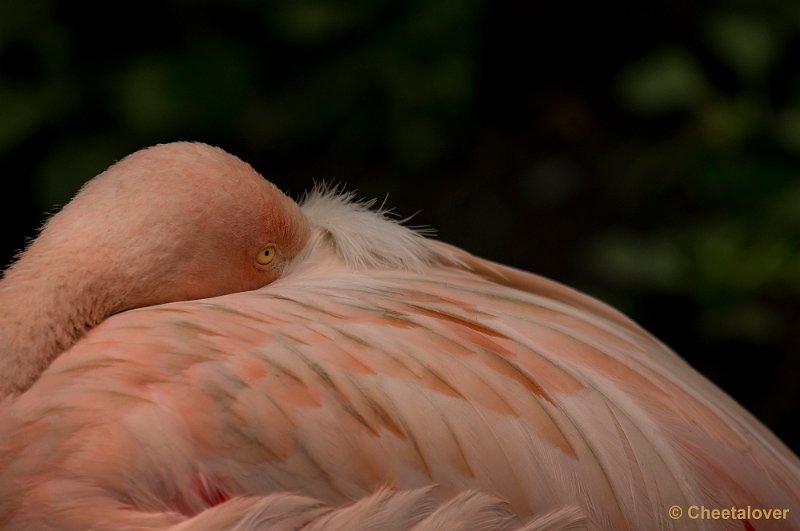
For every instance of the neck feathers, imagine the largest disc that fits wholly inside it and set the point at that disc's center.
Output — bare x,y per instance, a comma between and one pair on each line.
43,311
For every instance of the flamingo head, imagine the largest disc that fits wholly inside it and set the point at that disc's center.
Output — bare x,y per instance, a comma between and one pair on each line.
176,221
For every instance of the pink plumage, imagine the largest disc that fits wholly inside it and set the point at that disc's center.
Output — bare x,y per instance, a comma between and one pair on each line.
369,378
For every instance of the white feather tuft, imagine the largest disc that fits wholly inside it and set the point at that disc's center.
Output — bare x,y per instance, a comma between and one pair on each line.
365,238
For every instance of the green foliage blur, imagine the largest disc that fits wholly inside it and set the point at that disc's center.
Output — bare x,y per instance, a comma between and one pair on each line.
647,153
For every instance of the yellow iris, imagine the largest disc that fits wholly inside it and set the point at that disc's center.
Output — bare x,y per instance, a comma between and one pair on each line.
266,255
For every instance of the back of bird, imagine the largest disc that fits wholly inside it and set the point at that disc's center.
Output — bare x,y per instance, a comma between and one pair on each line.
335,383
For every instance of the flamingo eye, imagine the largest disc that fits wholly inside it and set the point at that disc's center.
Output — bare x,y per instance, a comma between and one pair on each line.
266,255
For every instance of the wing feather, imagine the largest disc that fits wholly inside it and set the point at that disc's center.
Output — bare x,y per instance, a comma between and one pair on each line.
335,383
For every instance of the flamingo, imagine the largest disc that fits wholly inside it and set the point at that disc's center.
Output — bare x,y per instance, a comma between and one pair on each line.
185,347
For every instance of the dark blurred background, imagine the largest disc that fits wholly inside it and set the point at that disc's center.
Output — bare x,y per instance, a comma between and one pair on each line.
647,153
